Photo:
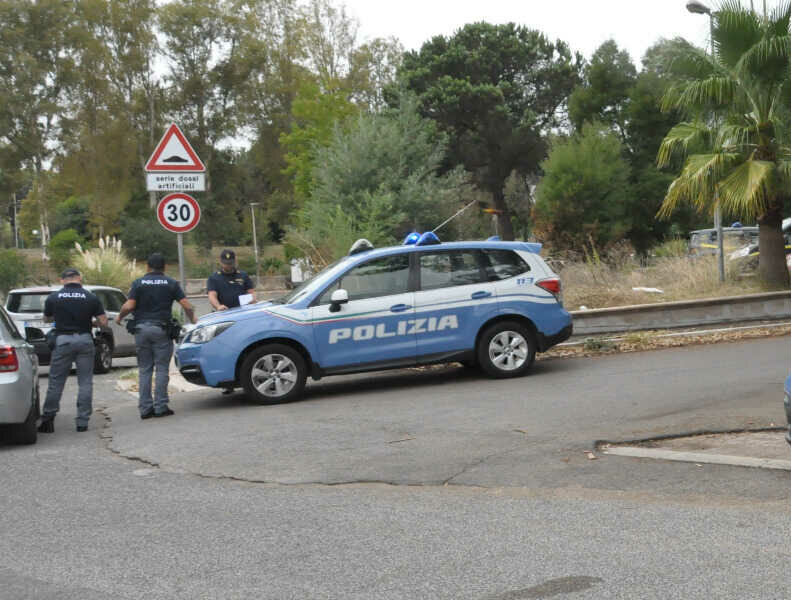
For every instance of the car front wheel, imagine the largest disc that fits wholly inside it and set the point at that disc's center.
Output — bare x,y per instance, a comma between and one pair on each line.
273,374
103,358
506,349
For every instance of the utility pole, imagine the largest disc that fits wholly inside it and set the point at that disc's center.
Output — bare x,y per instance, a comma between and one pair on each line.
255,245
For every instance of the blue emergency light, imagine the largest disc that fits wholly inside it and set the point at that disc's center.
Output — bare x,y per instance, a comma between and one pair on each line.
428,239
411,239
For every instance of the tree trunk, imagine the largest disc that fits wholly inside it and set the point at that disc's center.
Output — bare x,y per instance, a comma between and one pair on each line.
504,226
772,258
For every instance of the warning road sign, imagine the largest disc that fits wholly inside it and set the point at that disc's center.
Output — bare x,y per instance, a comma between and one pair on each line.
174,153
178,213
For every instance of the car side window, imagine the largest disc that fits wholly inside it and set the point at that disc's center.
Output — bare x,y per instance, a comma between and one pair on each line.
503,264
384,276
448,269
114,301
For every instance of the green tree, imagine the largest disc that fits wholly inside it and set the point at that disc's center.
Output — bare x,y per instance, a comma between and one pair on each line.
380,180
12,270
605,90
496,90
316,114
733,142
585,190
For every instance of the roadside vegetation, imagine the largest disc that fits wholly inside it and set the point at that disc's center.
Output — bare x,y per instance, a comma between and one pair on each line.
595,281
345,138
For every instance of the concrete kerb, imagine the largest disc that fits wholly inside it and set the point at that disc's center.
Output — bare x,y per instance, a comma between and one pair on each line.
764,447
687,313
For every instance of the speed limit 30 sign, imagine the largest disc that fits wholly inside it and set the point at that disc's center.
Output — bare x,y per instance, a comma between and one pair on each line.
178,212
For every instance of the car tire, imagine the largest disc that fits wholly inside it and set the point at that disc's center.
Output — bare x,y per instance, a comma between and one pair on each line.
103,357
273,374
27,432
506,349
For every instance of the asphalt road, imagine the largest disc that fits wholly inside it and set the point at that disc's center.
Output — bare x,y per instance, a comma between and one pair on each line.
437,483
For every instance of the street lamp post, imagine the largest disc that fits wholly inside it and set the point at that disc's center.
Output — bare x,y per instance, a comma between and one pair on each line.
255,244
698,8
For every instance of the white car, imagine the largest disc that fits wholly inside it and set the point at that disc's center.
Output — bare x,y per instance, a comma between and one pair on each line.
19,397
26,308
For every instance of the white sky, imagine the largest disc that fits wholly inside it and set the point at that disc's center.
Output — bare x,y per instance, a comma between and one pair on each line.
583,24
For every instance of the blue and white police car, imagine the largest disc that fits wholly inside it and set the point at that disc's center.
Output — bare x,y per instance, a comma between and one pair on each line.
491,303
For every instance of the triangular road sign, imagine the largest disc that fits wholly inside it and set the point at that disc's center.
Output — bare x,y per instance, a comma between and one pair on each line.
174,153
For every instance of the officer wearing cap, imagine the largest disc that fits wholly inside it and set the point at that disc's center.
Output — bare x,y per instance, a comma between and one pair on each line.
150,299
228,284
73,309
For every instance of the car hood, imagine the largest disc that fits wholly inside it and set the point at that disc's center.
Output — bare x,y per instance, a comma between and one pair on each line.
233,314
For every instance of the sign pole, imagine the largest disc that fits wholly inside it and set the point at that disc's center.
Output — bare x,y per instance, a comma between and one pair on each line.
180,238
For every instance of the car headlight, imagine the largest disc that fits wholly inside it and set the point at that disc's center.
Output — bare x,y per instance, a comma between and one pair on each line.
201,335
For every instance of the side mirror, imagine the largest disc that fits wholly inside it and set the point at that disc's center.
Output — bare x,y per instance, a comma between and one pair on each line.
33,334
337,298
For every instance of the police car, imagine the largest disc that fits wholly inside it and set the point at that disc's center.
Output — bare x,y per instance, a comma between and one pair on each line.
492,303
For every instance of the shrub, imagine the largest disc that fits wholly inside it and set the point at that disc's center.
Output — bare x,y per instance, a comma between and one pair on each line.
107,265
61,247
12,270
144,236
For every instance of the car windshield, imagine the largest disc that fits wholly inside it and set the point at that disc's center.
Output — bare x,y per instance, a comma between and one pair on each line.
304,288
26,303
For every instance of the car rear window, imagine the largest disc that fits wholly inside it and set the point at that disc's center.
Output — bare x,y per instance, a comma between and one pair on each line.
26,303
502,264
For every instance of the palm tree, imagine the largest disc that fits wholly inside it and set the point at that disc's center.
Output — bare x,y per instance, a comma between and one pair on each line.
737,102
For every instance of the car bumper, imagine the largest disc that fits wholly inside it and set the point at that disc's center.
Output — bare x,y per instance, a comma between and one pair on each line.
15,398
211,364
547,341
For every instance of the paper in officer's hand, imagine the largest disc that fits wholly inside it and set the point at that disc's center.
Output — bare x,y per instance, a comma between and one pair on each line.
245,299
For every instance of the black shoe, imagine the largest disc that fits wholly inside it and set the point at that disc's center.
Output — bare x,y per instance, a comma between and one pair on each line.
82,428
47,426
165,413
227,391
148,414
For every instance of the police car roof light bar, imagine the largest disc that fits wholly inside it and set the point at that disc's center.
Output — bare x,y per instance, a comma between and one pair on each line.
412,238
428,239
361,245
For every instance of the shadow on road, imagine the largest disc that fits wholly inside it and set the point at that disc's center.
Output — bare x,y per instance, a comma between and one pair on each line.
347,386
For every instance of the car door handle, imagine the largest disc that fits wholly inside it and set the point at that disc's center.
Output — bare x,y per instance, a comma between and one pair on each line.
479,295
399,307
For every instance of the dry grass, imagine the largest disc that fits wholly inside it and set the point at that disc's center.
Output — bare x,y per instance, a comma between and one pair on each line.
597,284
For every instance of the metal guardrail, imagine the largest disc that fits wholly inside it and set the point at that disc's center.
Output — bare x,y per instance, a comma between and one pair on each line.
688,313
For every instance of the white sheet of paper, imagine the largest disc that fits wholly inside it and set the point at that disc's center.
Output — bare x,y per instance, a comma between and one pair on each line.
245,299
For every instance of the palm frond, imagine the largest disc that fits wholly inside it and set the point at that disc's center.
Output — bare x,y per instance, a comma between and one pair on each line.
736,30
749,188
736,135
767,60
784,171
681,139
717,91
698,181
780,18
685,61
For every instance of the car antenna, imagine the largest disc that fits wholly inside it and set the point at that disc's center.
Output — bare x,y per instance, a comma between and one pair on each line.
453,216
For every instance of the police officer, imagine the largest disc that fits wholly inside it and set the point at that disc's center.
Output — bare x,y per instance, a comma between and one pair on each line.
150,299
73,309
226,285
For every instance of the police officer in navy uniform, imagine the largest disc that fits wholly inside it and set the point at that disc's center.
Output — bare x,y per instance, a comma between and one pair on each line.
150,299
226,285
73,309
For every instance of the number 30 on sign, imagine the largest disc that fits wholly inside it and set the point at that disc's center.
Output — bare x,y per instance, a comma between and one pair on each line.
178,213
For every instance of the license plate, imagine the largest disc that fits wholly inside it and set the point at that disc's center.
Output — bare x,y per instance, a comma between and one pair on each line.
38,324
